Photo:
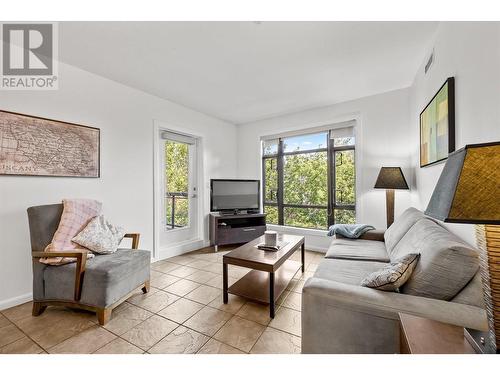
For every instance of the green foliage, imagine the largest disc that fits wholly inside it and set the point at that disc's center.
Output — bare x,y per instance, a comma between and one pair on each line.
306,183
176,176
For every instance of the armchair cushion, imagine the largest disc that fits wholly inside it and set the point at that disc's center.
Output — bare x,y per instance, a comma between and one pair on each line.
100,236
76,215
107,277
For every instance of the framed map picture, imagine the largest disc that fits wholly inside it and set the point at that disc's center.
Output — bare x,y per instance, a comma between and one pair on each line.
437,126
35,146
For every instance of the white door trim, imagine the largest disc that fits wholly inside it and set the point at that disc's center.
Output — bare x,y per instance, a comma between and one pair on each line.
159,126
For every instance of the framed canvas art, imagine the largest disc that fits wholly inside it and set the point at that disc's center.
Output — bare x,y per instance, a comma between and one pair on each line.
36,146
437,126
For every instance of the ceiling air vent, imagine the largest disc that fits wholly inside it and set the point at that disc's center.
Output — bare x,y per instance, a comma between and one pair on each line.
429,62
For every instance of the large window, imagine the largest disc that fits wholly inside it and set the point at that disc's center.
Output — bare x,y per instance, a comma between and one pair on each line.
309,180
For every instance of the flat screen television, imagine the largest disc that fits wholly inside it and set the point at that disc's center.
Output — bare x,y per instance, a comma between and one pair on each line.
234,195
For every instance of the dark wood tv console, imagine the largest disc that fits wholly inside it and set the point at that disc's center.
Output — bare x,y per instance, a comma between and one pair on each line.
233,229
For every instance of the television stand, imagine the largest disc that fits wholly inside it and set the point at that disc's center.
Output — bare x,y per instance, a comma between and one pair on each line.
233,229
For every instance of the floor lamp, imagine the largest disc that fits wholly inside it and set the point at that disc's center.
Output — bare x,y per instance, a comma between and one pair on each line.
468,191
390,178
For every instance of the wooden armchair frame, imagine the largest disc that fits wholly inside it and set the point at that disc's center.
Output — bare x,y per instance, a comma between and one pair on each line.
103,314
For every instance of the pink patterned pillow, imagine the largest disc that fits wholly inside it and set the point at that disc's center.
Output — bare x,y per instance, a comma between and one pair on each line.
76,215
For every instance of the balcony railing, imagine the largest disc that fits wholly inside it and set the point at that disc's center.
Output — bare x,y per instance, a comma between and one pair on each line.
177,209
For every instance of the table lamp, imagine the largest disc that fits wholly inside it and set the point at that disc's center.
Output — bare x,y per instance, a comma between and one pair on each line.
468,191
390,178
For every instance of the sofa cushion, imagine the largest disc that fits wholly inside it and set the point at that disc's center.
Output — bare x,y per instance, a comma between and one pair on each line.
446,263
392,276
345,271
357,250
107,278
401,225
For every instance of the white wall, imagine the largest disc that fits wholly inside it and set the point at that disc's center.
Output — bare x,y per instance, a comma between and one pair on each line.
469,51
125,117
383,139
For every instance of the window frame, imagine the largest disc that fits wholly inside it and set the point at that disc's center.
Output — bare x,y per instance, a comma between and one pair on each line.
332,204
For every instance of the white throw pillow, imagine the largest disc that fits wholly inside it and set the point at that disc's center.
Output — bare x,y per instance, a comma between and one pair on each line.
100,236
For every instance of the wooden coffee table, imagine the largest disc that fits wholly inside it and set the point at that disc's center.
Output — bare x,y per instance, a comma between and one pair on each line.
271,270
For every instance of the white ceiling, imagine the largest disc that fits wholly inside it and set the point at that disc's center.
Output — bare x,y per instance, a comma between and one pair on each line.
246,71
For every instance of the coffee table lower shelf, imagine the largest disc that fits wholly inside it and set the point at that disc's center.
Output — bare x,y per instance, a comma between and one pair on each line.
255,284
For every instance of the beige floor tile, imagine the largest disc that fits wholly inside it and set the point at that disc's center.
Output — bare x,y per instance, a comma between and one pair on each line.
9,334
201,276
149,332
182,260
156,301
163,280
119,346
85,342
164,266
182,271
298,285
138,295
240,333
4,321
204,294
255,312
273,341
19,312
182,287
215,268
200,264
287,320
282,297
208,257
181,310
293,301
124,319
237,272
217,347
21,346
306,275
216,282
181,341
54,325
234,303
208,320
312,267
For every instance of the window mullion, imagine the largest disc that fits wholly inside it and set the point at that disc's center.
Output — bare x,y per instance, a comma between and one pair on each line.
330,180
279,166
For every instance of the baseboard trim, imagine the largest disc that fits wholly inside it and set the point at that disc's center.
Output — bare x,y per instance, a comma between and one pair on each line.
14,301
181,248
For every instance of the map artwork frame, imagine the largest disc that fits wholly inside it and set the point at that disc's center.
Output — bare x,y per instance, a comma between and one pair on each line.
37,146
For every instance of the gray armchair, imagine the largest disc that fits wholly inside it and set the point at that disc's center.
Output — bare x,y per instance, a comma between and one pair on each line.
98,284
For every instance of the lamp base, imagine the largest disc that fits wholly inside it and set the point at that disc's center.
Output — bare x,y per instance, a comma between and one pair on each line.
389,206
488,242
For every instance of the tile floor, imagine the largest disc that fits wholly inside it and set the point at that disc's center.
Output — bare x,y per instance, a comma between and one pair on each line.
183,313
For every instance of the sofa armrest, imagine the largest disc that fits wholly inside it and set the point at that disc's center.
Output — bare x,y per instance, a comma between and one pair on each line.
81,262
135,239
339,318
389,304
372,235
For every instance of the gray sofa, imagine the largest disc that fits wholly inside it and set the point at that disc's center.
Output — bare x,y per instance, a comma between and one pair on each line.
340,316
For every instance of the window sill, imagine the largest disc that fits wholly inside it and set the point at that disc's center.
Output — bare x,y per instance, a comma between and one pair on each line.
299,231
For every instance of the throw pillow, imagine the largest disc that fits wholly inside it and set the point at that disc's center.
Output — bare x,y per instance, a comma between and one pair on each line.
393,276
100,236
76,215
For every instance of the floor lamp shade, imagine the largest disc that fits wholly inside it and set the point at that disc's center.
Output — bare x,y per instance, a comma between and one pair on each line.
390,178
468,191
